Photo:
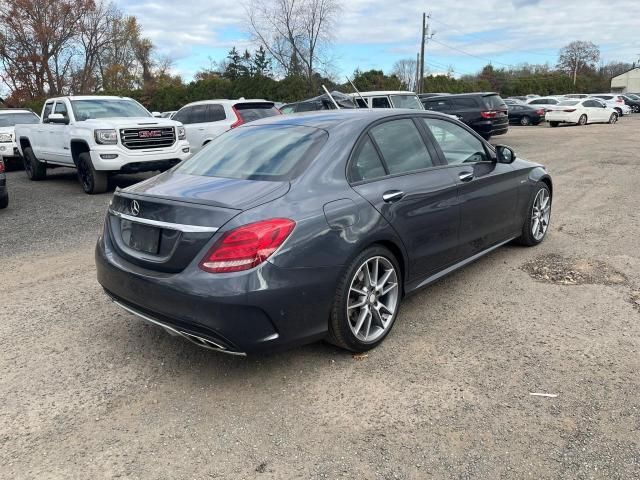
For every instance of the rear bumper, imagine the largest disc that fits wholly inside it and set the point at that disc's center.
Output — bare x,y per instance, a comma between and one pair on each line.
264,309
487,127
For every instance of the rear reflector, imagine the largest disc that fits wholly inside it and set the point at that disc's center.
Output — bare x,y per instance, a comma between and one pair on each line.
247,246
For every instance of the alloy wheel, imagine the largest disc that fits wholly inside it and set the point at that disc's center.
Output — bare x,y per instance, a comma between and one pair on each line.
373,299
613,118
540,214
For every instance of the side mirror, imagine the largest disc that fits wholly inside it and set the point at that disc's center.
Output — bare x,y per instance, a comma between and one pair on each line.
156,114
505,154
58,118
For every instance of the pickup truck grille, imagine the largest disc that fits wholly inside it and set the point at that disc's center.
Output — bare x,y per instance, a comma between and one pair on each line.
141,138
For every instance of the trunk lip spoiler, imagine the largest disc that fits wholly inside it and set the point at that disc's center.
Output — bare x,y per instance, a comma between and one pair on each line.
168,225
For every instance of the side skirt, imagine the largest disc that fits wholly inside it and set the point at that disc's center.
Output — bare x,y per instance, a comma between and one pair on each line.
443,273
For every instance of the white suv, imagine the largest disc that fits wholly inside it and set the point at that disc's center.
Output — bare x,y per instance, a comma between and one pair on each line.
9,117
207,119
614,101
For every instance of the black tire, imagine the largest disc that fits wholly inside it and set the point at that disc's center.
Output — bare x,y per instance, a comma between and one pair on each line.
554,124
340,333
92,181
613,118
619,110
36,170
4,201
582,120
525,120
527,238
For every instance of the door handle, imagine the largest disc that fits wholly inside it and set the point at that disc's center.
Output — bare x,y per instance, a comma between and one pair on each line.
392,196
465,176
201,129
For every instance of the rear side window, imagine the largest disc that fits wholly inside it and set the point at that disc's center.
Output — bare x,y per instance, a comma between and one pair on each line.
47,111
361,103
269,152
307,107
494,102
380,102
366,163
214,113
538,102
401,145
255,111
464,103
458,145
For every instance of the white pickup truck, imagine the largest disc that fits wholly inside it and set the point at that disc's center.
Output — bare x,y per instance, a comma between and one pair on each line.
100,135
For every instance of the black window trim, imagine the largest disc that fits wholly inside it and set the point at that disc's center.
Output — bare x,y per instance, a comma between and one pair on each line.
488,148
431,149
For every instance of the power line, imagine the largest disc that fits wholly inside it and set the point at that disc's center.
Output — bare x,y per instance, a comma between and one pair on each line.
472,55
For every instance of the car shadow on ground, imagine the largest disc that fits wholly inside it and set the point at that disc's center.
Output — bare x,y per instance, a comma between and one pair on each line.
68,176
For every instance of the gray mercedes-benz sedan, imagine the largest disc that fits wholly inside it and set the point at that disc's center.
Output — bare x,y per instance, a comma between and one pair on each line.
298,228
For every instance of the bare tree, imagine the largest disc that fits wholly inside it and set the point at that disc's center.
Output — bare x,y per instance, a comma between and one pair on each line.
578,55
294,32
405,70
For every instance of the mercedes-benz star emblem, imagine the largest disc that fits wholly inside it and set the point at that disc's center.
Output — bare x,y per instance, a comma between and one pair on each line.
135,208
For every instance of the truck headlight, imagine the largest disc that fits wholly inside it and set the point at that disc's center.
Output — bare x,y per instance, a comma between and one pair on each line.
182,134
5,137
106,137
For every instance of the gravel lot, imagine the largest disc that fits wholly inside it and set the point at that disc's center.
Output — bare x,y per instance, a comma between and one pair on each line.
87,391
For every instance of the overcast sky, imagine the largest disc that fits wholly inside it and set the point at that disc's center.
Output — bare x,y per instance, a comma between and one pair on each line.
376,33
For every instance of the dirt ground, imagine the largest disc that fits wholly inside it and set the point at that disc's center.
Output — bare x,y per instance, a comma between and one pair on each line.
88,391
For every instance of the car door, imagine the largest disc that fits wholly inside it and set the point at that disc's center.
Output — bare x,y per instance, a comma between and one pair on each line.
600,110
487,190
400,175
58,141
40,142
191,116
515,113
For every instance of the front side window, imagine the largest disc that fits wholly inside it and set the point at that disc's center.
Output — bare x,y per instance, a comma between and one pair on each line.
61,108
401,146
183,116
366,163
268,152
380,102
361,103
458,145
107,108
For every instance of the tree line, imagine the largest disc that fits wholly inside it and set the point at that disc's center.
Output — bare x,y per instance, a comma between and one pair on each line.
59,47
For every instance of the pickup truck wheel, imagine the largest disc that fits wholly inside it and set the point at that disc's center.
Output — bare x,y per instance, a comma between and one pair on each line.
36,170
92,181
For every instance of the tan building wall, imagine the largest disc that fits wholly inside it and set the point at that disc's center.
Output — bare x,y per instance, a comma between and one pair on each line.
626,82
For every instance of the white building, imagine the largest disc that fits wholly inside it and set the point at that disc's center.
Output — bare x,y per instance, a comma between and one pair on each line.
627,82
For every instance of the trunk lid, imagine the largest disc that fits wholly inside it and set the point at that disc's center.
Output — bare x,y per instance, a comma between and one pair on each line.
164,222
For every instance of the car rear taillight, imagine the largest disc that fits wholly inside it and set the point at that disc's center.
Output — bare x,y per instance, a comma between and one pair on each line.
247,246
1,166
238,122
540,111
489,114
619,100
569,110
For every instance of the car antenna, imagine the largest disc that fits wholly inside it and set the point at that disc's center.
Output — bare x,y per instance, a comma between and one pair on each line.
358,92
331,97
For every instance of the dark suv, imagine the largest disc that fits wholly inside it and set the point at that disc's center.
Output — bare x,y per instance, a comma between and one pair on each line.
485,112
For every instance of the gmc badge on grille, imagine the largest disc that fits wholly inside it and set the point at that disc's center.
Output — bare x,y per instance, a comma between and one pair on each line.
149,133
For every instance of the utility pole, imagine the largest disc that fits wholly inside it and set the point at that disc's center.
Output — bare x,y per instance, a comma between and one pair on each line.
426,36
417,89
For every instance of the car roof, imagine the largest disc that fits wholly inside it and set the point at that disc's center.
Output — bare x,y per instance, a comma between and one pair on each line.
90,97
330,119
15,110
469,94
382,93
226,101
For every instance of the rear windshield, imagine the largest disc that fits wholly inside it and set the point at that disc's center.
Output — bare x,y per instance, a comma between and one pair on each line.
568,103
255,111
11,119
406,101
494,102
264,152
